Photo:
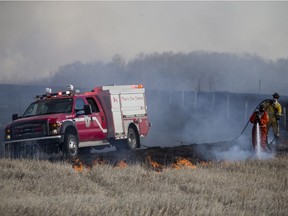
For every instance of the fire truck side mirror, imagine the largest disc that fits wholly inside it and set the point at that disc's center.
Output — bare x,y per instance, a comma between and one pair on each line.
87,109
15,116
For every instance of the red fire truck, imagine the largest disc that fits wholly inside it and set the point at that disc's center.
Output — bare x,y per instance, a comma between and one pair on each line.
68,120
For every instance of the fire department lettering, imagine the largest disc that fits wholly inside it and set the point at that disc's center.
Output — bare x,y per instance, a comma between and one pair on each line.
132,98
87,120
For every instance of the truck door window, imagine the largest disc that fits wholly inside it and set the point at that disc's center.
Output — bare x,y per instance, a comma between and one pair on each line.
79,106
93,105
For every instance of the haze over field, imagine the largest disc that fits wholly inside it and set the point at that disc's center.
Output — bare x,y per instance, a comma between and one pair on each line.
39,37
174,48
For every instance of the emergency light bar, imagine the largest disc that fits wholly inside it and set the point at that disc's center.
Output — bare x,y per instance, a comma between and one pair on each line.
53,95
49,93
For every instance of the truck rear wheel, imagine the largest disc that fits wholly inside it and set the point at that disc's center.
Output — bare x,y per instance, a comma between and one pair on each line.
70,146
133,139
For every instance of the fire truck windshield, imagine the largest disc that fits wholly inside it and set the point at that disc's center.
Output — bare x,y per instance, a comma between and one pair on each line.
49,106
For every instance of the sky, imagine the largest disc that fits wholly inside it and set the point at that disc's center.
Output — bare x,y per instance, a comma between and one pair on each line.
36,38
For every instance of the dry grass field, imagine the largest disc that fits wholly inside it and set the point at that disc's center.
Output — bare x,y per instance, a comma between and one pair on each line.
252,187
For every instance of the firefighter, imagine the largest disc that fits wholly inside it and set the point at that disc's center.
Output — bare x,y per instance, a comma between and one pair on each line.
261,117
274,109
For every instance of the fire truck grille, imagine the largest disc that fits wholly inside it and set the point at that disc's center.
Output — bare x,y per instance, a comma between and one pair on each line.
30,130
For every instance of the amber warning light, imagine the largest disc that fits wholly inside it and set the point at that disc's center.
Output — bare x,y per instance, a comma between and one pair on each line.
138,86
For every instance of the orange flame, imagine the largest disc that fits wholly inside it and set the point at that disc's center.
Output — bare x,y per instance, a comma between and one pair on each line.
99,161
121,164
181,163
77,165
158,167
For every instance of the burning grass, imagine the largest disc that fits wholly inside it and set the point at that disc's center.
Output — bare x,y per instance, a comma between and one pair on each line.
252,187
149,163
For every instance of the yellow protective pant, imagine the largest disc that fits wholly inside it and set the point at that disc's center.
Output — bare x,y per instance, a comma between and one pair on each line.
275,126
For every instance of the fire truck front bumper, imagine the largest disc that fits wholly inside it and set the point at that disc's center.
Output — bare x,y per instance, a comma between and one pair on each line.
48,139
25,147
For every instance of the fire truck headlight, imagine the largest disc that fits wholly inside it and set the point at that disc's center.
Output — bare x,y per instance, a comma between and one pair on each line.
7,134
54,128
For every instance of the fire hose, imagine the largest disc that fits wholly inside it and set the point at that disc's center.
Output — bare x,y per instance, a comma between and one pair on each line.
257,107
233,140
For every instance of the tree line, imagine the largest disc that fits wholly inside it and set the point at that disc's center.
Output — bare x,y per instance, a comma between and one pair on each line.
199,71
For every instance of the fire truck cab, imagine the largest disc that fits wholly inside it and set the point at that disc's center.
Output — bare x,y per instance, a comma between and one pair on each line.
68,120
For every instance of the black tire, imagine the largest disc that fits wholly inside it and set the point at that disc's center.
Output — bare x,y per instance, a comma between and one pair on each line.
70,146
133,140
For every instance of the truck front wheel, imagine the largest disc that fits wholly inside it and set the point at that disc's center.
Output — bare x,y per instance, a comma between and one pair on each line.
70,146
133,139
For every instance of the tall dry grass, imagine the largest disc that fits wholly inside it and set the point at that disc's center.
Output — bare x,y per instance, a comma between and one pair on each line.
253,187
